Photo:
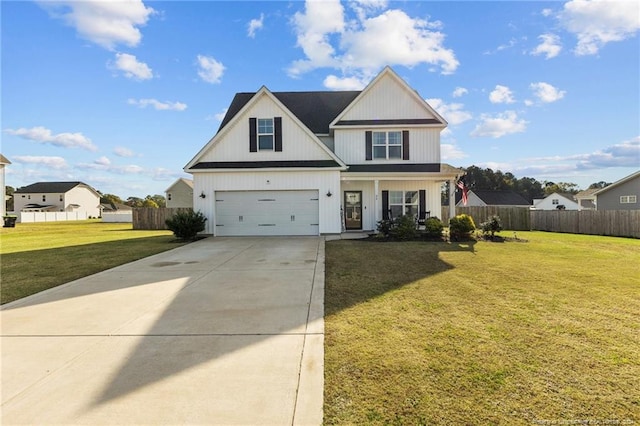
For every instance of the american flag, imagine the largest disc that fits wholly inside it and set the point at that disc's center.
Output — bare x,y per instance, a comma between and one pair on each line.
464,189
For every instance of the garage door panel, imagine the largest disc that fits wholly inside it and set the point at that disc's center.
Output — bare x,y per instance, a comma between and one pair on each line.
267,213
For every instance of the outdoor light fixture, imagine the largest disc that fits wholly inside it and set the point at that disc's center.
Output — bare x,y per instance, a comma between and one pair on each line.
329,194
202,195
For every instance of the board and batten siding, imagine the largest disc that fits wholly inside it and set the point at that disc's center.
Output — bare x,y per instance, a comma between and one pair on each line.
424,145
297,144
388,99
322,181
86,199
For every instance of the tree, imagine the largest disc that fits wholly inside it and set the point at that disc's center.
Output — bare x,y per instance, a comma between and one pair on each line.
476,178
110,199
158,199
561,187
599,185
134,202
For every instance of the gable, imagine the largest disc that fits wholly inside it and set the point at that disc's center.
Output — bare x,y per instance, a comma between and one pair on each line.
389,100
232,143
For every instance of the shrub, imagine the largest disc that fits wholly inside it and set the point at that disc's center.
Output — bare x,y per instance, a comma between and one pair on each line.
491,226
186,224
404,228
433,227
461,226
384,227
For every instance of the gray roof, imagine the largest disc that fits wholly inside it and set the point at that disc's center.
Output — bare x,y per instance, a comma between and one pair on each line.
50,187
501,198
316,110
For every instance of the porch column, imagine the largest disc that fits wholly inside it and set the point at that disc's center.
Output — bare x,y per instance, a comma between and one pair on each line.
375,202
452,198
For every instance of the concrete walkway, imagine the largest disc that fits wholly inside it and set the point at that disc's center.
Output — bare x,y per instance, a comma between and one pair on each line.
221,331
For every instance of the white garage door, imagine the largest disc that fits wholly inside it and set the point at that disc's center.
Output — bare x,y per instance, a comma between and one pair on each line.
266,213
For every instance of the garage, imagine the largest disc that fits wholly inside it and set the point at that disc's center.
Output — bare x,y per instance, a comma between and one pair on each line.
240,213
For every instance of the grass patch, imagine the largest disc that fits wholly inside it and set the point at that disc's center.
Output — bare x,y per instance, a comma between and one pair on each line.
482,332
38,256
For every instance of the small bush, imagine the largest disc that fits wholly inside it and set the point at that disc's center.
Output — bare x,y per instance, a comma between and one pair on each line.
461,226
433,227
491,226
405,228
384,227
186,224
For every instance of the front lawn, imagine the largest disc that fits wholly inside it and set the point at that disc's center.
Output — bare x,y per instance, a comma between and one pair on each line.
38,256
483,333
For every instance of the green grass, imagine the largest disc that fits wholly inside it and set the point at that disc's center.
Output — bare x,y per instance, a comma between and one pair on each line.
38,256
483,333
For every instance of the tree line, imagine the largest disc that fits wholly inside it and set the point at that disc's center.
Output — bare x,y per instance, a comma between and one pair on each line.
476,178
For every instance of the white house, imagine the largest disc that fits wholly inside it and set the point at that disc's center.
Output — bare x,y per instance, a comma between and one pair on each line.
310,163
478,197
3,205
556,201
57,197
180,193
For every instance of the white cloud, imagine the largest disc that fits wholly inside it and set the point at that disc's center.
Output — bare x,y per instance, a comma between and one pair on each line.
598,22
501,95
359,46
103,161
255,25
44,135
547,12
625,154
160,106
346,83
131,67
52,162
546,92
451,152
106,23
550,46
499,125
210,70
453,113
459,91
220,116
123,152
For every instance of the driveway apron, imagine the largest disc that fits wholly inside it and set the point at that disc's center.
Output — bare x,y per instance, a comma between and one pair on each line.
220,331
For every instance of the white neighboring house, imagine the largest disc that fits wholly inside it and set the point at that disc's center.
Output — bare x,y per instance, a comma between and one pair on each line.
553,201
310,163
180,193
57,197
3,205
483,198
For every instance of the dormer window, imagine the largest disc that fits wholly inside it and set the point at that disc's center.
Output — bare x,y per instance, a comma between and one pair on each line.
265,134
387,145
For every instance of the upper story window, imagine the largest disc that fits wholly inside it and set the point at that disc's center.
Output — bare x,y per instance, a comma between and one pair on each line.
265,134
44,198
628,199
61,197
555,201
387,145
168,196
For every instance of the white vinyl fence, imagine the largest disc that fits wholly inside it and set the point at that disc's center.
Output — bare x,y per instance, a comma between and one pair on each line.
30,217
118,217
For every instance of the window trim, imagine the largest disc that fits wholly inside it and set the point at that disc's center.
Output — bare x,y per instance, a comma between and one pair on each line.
272,134
628,199
404,203
387,145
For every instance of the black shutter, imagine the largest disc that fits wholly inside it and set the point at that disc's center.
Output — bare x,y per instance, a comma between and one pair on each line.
253,135
385,205
422,207
405,144
277,133
368,138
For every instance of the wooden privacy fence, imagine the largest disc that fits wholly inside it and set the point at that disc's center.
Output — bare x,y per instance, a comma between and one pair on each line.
150,218
619,223
512,218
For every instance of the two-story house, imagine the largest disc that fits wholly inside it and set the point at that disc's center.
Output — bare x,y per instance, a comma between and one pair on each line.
310,163
57,197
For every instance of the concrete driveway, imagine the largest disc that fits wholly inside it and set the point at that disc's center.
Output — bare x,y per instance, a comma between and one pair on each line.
221,331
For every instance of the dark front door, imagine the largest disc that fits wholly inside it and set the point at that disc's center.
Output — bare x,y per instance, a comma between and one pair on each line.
352,210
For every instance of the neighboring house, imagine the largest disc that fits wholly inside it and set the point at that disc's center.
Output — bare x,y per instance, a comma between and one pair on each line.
180,193
621,195
586,199
57,197
3,162
556,201
310,163
494,198
114,208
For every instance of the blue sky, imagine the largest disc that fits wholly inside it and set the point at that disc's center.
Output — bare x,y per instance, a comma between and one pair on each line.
121,95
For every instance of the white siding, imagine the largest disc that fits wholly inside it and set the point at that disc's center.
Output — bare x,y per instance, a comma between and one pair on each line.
368,201
388,99
181,195
297,144
547,203
433,199
87,200
424,146
3,205
323,181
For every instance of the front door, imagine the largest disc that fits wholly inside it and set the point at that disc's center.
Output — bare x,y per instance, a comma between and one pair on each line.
352,210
